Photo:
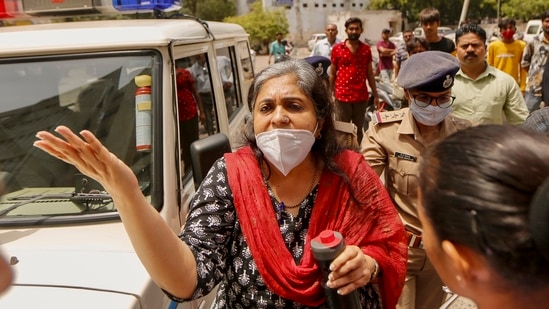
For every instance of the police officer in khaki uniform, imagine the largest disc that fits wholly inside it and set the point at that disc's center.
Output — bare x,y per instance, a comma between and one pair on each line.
394,144
346,132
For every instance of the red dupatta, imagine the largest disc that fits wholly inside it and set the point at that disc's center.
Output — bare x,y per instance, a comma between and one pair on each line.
373,225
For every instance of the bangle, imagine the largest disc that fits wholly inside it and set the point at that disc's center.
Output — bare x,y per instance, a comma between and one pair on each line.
376,270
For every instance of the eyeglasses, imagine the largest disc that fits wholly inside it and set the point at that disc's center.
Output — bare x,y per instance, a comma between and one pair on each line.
424,100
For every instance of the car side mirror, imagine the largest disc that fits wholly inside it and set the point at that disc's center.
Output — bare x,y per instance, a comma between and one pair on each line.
204,153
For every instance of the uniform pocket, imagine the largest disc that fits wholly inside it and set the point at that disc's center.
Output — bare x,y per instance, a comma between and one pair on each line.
403,176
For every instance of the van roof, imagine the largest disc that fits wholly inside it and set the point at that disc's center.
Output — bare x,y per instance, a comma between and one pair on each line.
108,35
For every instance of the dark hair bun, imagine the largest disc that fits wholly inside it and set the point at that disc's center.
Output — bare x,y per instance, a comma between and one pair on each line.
539,218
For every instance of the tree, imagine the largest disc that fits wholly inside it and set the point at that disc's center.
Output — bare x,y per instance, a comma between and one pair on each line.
215,10
525,10
450,11
262,25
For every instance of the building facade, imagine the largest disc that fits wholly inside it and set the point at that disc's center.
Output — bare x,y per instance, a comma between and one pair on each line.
306,17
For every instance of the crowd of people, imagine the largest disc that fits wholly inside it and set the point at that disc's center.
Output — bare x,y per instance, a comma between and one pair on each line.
451,191
450,87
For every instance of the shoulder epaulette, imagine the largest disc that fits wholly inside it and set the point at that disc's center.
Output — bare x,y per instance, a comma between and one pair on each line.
390,116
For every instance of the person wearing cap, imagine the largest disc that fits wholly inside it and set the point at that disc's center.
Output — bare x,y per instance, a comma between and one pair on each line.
393,144
484,94
321,65
386,51
346,132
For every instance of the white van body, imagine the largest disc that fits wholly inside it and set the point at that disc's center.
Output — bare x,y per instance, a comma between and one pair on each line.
533,28
61,232
442,31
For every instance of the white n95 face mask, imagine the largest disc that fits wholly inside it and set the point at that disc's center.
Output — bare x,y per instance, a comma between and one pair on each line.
430,115
285,148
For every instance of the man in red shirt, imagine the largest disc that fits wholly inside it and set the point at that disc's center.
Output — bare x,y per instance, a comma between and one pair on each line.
351,67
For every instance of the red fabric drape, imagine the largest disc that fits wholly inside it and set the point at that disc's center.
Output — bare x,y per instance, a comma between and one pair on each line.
373,225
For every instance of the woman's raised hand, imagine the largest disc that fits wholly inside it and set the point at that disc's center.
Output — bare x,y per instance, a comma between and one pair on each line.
89,156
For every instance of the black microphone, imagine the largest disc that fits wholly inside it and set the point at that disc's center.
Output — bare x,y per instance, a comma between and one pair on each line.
326,247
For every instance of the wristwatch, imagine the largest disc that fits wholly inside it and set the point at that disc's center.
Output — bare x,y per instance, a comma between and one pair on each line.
375,273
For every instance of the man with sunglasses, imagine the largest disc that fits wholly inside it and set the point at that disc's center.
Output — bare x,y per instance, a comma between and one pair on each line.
484,94
393,146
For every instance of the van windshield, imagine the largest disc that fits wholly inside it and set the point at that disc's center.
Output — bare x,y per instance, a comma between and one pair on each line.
92,92
532,29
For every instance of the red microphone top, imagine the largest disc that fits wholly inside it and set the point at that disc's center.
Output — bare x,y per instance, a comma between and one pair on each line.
328,238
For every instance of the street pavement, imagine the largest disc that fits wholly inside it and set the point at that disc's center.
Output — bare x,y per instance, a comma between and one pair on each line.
262,61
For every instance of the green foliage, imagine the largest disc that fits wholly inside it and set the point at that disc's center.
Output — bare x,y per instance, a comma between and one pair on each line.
450,11
524,10
215,10
261,25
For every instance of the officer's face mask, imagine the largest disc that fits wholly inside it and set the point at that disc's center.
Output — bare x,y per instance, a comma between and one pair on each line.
285,148
429,115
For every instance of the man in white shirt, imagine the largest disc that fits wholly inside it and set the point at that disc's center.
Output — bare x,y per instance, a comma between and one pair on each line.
226,72
324,46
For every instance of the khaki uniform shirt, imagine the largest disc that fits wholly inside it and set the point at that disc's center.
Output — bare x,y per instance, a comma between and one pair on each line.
393,145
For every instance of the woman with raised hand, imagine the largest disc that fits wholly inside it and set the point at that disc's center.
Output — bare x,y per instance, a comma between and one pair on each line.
252,219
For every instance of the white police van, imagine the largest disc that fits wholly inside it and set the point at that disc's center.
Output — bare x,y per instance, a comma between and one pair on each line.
533,27
59,229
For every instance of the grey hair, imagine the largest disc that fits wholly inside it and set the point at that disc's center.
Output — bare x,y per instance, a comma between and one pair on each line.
305,73
326,146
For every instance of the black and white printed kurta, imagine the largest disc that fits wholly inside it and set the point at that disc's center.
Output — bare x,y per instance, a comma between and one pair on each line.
215,237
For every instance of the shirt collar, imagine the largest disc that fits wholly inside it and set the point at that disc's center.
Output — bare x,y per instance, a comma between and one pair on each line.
488,71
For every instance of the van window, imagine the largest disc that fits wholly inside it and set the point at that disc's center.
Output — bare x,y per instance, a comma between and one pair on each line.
418,32
226,65
200,70
532,29
195,104
93,92
246,62
194,93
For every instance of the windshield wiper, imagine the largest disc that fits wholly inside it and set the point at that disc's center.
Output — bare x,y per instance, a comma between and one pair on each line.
77,198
